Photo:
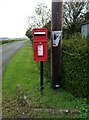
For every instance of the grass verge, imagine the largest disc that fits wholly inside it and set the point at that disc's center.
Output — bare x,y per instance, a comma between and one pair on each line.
21,94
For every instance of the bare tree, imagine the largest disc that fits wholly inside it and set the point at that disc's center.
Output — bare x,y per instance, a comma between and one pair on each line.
41,17
73,15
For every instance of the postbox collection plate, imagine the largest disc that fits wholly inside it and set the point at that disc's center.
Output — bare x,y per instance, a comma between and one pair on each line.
40,50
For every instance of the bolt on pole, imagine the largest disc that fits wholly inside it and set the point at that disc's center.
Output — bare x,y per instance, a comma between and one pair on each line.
56,28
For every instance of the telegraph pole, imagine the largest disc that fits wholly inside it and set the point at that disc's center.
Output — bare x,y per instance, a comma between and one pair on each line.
56,27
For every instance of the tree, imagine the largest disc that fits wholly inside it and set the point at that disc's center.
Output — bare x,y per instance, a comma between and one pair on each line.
29,33
43,11
41,17
73,16
48,26
87,12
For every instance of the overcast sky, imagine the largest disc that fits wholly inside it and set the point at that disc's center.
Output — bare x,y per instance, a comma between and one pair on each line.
13,16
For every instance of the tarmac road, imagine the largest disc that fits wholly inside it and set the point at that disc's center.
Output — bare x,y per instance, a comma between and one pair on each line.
0,82
8,50
0,62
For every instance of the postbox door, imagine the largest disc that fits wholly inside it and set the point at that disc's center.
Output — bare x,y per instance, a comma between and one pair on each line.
40,52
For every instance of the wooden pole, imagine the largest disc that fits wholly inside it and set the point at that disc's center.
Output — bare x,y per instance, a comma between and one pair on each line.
56,27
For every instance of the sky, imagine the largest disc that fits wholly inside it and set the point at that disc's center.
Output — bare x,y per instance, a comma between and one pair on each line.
14,14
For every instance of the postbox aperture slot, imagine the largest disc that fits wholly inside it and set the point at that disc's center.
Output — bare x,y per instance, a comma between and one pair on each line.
39,34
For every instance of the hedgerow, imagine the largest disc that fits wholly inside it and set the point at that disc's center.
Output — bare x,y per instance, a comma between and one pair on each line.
75,68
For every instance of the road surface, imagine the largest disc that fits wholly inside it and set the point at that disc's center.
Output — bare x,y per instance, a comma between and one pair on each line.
0,82
9,50
6,52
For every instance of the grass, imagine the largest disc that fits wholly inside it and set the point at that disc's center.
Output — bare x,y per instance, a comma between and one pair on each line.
21,94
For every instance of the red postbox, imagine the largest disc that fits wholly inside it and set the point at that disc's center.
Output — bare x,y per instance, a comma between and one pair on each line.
40,41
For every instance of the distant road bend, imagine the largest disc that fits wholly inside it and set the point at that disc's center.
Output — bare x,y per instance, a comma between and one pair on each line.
8,50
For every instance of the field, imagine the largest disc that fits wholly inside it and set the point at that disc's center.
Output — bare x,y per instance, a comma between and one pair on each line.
22,97
10,40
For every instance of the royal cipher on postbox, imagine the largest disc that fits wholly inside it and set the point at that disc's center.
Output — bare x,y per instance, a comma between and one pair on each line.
40,43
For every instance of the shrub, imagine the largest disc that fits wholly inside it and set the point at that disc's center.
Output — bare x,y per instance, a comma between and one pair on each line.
47,65
74,65
8,41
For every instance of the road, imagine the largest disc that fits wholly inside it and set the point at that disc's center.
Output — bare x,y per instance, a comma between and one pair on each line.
6,52
0,82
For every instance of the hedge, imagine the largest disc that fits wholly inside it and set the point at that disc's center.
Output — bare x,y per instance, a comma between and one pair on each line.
75,53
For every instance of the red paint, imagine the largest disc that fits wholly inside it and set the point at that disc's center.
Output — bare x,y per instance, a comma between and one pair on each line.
40,42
